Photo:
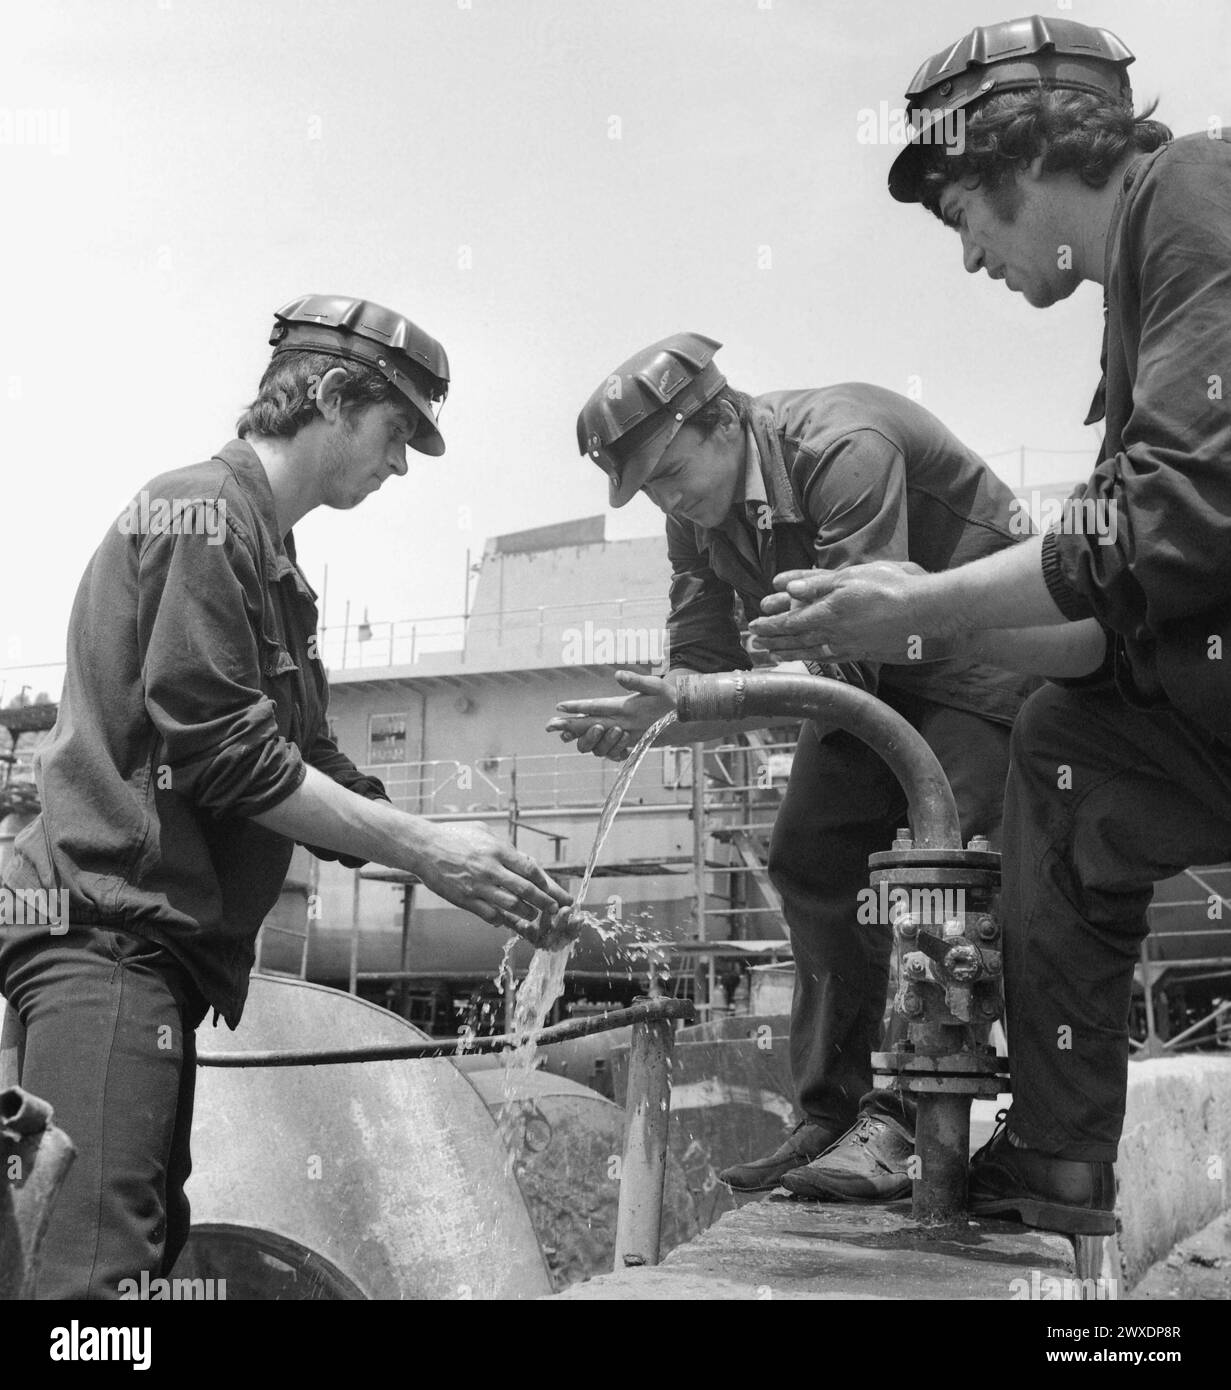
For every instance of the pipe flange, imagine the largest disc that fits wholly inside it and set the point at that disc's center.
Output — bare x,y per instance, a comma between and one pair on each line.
985,1063
935,858
980,1087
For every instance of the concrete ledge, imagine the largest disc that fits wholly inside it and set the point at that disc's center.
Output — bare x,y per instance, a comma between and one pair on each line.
1175,1155
781,1248
1173,1168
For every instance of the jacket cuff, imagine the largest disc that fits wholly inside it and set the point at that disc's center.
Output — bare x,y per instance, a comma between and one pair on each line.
1073,604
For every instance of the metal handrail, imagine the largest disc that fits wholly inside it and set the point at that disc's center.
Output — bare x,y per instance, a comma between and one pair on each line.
544,781
401,641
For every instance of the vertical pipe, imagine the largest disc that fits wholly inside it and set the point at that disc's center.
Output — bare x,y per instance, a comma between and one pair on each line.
1147,989
698,839
644,1165
942,1133
353,984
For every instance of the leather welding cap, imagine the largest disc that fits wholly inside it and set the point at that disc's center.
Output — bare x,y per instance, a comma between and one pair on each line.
361,331
1013,56
630,419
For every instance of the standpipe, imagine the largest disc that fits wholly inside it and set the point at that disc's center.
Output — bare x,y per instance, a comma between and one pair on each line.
941,902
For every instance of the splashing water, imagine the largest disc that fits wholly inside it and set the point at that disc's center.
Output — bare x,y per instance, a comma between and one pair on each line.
544,981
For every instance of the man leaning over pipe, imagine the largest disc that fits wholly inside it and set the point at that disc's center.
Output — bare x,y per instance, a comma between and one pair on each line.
789,481
1122,777
191,752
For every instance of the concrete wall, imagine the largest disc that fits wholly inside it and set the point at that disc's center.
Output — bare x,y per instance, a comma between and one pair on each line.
1174,1165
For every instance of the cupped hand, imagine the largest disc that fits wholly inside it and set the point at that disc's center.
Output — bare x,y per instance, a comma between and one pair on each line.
468,866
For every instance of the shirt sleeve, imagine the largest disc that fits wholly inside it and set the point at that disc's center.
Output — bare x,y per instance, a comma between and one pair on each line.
1149,539
702,633
198,615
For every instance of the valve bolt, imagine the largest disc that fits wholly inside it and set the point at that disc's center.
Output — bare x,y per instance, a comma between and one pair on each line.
963,962
912,1005
986,927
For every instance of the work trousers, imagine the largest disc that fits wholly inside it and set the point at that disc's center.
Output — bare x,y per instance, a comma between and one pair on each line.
110,1022
1103,801
843,804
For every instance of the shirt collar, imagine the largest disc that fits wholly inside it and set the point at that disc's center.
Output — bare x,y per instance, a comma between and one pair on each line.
754,479
249,472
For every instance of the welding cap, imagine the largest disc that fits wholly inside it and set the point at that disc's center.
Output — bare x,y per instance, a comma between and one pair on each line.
361,331
1014,56
630,419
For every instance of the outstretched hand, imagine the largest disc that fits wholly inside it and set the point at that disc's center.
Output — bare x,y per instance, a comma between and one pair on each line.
609,726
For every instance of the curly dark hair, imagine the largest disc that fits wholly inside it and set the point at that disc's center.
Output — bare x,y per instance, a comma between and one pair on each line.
286,397
706,419
1076,132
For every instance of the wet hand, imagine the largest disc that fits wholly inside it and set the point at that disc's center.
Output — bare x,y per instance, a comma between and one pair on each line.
862,612
469,867
608,727
554,930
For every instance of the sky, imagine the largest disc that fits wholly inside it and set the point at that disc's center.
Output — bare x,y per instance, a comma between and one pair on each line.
543,185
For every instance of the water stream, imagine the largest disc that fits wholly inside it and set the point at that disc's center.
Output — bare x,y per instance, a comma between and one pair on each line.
544,980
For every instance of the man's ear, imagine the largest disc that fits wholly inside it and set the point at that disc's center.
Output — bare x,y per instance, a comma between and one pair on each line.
729,424
328,393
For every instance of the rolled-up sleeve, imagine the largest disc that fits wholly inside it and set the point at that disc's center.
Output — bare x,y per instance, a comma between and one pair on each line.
702,632
1150,537
198,613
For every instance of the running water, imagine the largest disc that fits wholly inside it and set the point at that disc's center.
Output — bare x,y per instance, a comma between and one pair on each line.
544,981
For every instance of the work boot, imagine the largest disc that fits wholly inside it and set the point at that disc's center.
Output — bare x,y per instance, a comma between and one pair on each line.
1054,1194
808,1138
868,1164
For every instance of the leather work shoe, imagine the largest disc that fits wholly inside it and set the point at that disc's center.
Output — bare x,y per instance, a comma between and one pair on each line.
1054,1194
868,1164
807,1139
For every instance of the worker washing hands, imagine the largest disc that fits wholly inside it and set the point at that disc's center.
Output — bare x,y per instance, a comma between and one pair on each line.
783,508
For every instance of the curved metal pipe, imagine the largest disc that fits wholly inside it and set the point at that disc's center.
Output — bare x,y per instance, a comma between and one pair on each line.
743,694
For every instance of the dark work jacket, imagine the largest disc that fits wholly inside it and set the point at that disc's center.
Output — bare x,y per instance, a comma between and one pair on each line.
852,473
192,701
1163,585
